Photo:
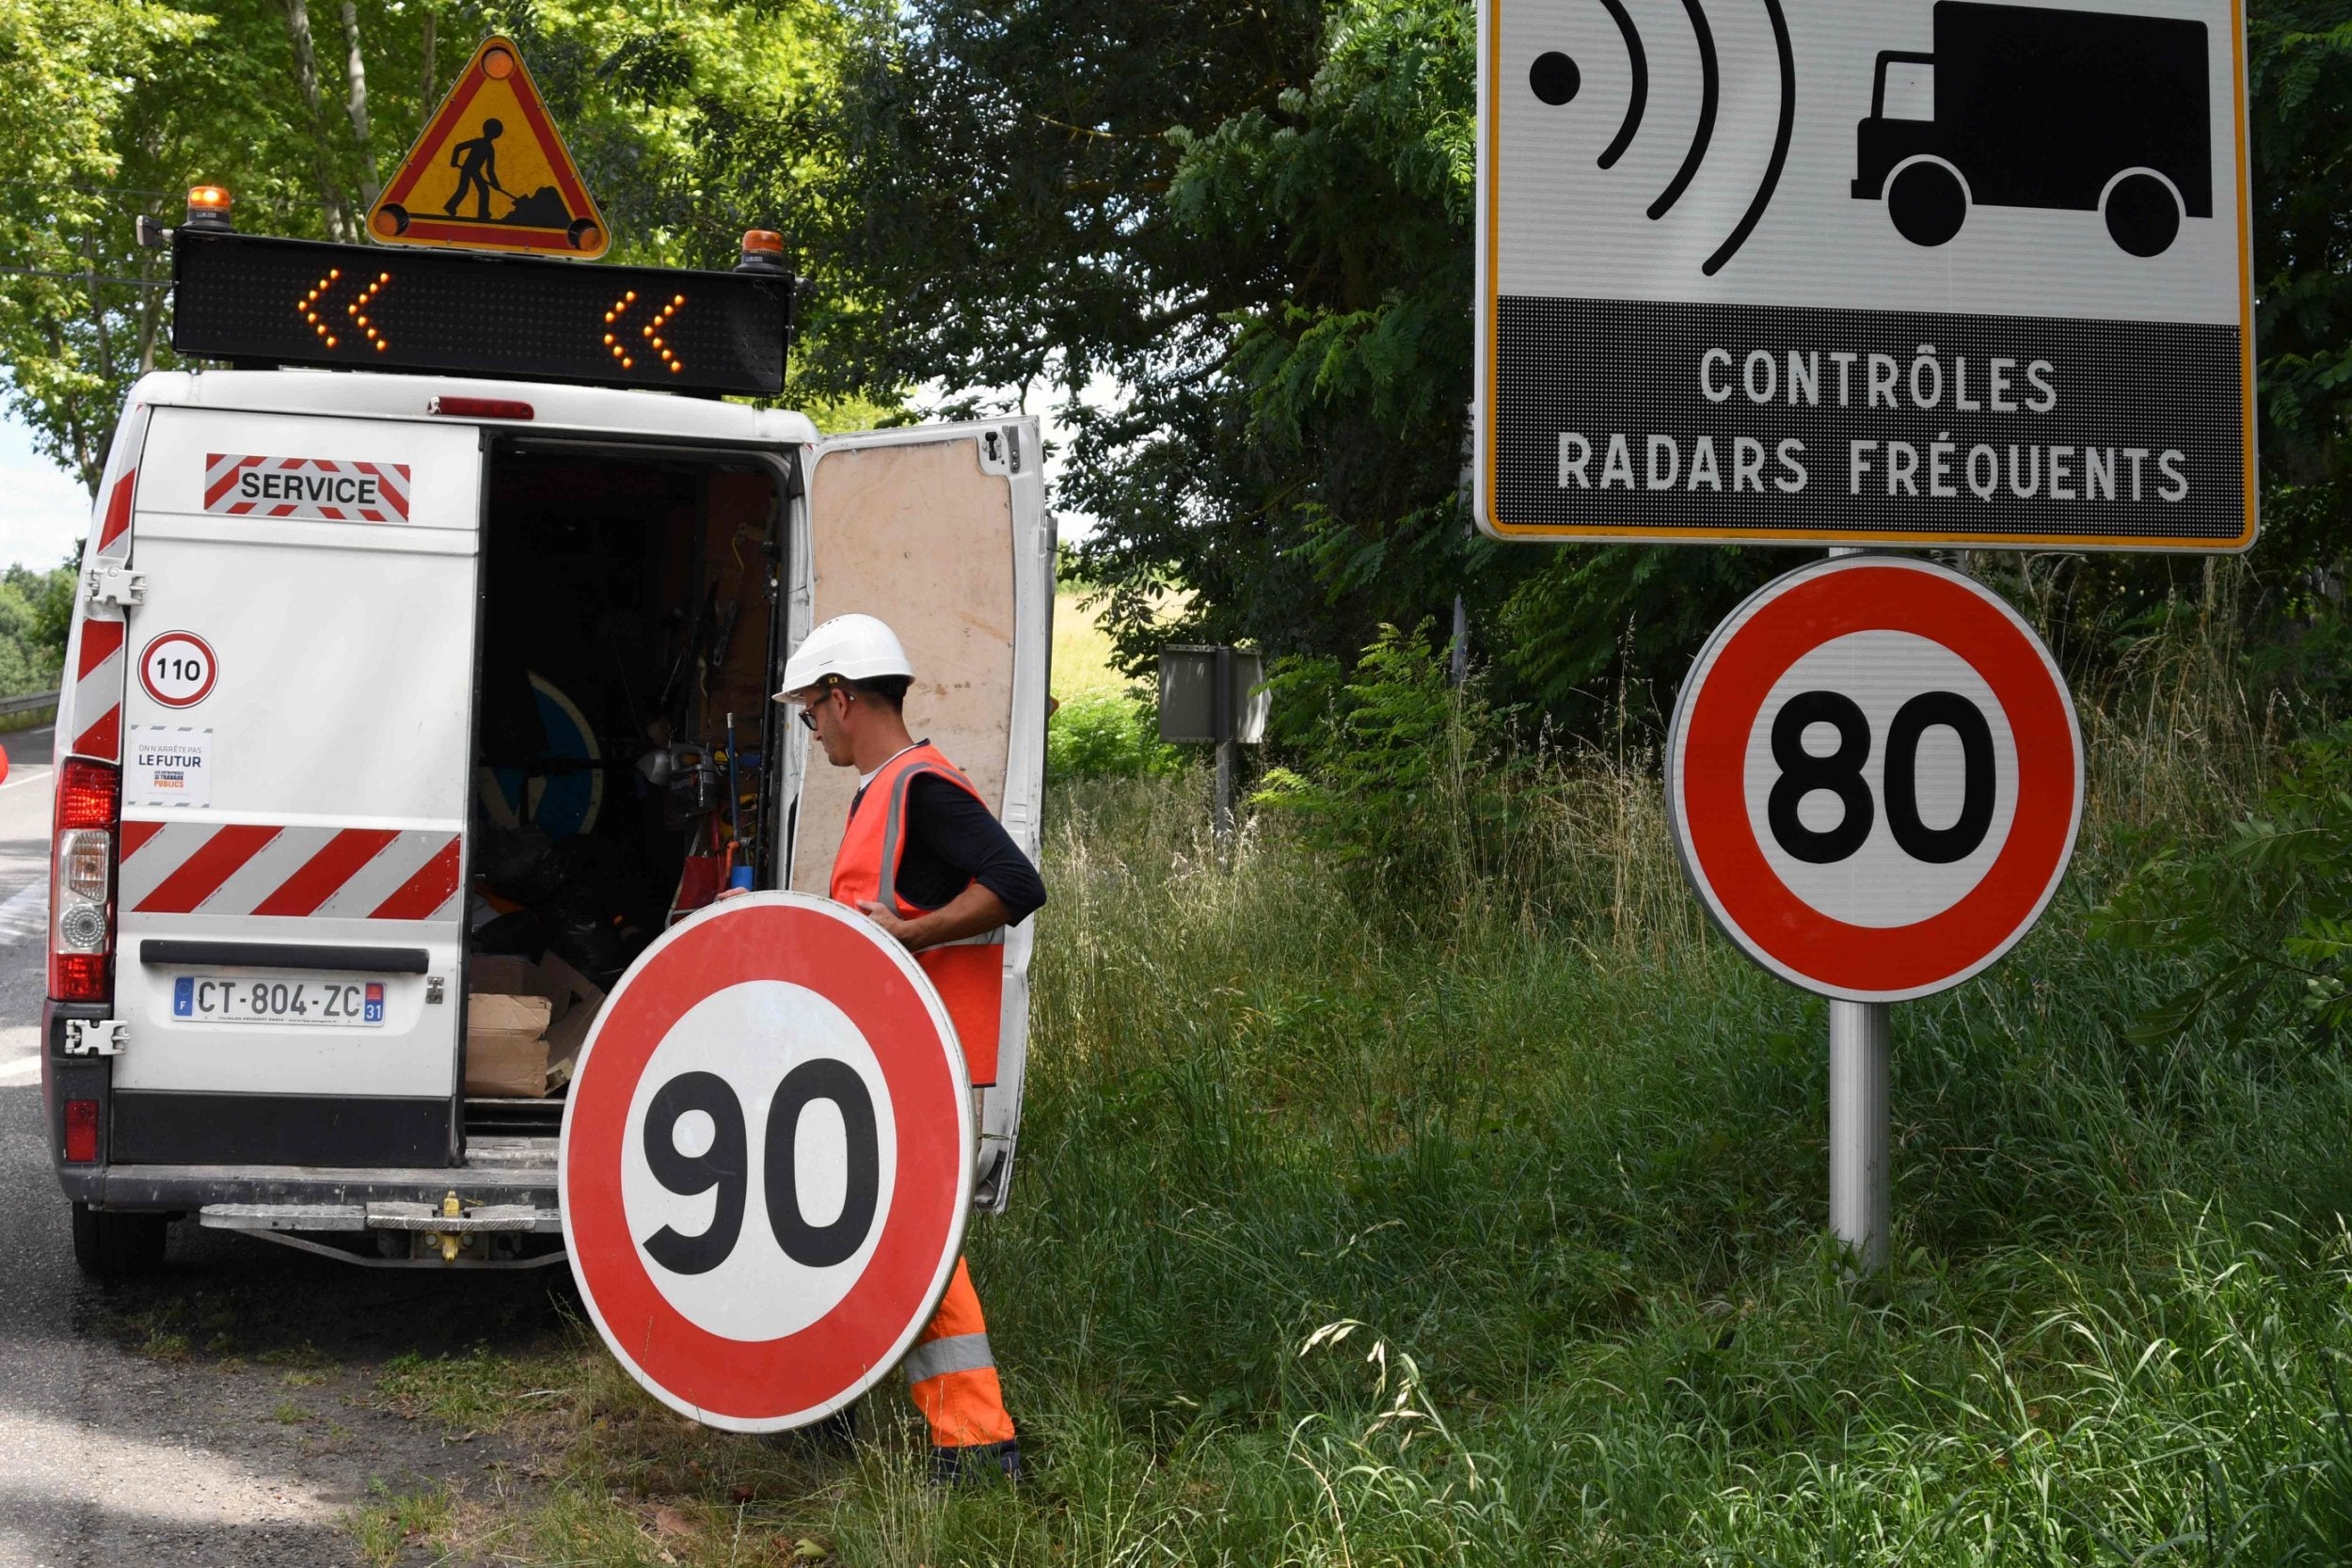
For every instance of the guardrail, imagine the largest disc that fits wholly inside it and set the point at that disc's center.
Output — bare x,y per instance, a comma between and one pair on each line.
27,704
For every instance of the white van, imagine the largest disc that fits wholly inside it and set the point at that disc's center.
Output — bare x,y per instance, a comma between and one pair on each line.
374,675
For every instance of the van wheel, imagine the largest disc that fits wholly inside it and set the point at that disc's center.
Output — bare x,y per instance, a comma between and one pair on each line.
1927,202
117,1246
2143,216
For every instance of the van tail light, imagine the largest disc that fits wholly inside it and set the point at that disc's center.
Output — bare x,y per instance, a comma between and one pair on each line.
81,881
482,408
81,1131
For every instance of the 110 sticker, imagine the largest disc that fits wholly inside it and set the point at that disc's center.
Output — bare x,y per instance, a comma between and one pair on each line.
178,669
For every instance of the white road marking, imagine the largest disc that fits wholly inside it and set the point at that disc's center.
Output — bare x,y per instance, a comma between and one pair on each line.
30,775
24,913
23,1071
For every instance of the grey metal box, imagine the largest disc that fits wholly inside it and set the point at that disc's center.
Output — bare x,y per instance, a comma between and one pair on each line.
1189,693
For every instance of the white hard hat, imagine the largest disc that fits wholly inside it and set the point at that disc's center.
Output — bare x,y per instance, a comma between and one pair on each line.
854,648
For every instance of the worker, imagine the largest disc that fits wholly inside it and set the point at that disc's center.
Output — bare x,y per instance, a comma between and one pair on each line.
926,861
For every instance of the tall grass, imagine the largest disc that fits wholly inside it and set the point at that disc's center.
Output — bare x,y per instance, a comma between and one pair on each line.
1476,1218
1562,1151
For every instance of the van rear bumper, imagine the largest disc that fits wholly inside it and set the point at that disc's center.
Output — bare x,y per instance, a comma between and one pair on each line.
508,1177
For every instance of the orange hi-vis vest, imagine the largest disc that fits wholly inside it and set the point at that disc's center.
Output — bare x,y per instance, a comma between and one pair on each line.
969,976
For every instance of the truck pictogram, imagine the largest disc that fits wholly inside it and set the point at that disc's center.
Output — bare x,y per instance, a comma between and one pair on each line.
2026,106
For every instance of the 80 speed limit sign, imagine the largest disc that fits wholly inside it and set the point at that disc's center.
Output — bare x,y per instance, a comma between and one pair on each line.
766,1160
1875,777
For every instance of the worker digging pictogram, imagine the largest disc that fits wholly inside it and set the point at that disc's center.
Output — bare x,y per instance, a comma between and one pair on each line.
491,172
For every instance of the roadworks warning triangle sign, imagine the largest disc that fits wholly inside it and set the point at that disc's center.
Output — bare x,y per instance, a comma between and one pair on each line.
490,172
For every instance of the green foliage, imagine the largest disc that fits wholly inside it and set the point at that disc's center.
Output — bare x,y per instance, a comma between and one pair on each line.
1106,737
2262,911
1256,223
1572,1182
691,124
2300,70
1492,1236
1352,369
67,136
35,608
1393,761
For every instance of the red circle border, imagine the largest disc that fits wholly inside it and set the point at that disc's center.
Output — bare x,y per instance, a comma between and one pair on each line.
212,669
766,1381
1756,907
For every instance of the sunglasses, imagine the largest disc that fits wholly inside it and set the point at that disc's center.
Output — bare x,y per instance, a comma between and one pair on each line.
808,714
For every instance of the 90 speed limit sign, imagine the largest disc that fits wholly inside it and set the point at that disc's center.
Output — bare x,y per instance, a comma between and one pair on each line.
1875,777
767,1162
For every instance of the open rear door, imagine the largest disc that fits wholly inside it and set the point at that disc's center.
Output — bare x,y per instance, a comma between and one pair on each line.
941,530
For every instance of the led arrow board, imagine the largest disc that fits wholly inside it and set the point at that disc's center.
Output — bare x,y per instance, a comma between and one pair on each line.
297,301
1905,271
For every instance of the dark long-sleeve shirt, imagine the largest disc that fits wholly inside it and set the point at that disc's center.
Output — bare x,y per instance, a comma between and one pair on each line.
952,840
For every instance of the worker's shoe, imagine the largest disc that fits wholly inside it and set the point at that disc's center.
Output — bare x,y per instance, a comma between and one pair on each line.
974,1464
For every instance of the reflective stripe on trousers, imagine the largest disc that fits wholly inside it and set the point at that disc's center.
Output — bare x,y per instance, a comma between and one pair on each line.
951,1375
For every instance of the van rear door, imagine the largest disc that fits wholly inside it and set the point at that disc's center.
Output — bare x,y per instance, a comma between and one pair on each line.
291,889
941,530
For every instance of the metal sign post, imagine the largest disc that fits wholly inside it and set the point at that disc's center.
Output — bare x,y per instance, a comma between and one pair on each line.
1860,1189
1222,726
1861,1119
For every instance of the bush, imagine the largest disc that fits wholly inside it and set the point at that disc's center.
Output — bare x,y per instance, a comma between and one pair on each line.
1393,763
2259,911
1105,737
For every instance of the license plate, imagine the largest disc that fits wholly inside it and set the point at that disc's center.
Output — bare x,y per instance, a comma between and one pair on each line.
278,999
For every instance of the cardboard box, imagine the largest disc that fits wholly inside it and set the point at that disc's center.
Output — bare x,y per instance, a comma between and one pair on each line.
506,1050
525,1024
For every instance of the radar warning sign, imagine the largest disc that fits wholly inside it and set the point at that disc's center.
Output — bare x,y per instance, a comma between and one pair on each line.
1910,273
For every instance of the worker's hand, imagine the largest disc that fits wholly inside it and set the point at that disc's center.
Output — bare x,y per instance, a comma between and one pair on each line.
727,893
903,929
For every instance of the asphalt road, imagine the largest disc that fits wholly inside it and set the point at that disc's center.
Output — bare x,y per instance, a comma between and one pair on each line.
225,1412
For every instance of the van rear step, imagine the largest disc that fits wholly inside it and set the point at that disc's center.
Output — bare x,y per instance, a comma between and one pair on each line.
511,1119
486,1218
487,1235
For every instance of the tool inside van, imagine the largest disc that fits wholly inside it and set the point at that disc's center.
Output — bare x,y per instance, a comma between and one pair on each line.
624,734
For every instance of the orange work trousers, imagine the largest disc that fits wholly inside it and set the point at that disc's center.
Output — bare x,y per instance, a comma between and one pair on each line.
951,1375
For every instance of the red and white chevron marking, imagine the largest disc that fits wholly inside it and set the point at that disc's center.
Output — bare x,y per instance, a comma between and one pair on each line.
99,669
258,869
328,488
97,676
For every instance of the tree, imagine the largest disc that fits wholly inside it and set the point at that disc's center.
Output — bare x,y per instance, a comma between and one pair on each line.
2300,73
68,328
35,608
1259,224
121,111
1170,195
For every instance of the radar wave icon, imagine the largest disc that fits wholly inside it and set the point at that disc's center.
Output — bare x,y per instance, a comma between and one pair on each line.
1555,78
